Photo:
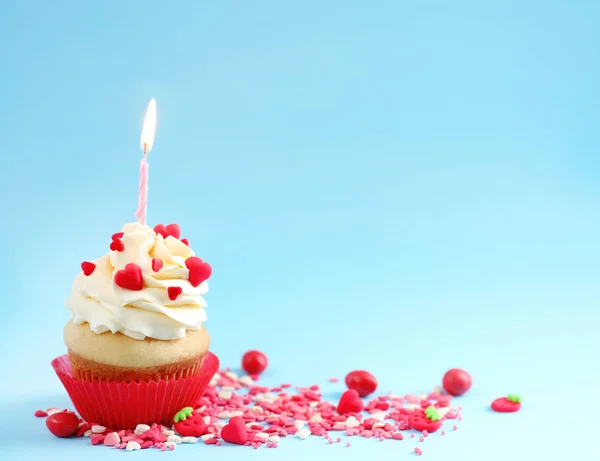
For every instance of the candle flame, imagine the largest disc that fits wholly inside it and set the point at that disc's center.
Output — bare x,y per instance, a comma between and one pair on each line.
147,139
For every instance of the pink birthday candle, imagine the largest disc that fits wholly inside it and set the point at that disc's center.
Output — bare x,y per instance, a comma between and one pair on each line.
140,214
146,142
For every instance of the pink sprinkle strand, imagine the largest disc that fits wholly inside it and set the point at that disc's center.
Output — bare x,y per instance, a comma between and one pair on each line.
273,413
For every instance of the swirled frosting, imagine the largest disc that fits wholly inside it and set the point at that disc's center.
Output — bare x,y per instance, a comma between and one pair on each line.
149,312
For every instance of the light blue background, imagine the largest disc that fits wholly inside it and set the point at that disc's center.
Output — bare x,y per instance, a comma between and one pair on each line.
391,185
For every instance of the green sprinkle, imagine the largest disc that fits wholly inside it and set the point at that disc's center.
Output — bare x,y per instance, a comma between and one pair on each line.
183,414
514,398
432,414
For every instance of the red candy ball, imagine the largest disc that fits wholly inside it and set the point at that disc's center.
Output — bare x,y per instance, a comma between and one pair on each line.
254,362
62,424
457,381
362,382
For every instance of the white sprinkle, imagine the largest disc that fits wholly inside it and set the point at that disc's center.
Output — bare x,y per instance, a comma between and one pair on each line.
316,418
87,433
246,381
170,444
141,428
274,439
258,398
262,435
133,445
202,408
225,395
214,380
206,437
438,389
256,409
206,420
98,429
423,396
313,404
224,415
270,398
249,425
236,413
53,411
443,411
299,424
189,439
167,432
231,375
228,388
219,424
174,438
303,433
413,406
380,415
351,421
378,424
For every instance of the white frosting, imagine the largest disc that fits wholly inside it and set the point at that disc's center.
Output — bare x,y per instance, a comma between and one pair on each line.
96,298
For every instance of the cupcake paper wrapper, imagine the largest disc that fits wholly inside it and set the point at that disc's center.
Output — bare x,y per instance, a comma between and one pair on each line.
122,405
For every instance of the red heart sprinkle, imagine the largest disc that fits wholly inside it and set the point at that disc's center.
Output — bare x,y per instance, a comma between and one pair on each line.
350,402
185,242
199,270
118,235
117,245
130,278
173,230
174,292
157,264
87,268
235,432
160,229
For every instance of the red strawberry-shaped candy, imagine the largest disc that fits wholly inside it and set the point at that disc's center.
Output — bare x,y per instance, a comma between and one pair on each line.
199,270
173,292
118,235
236,431
117,245
88,268
185,242
425,420
350,402
508,404
130,278
189,423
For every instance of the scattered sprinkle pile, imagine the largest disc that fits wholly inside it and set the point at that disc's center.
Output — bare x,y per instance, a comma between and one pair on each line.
239,410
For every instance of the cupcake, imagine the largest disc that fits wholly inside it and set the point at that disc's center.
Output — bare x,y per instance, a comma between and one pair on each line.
137,328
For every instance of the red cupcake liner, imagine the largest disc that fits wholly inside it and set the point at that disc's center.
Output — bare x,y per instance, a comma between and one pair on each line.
122,405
